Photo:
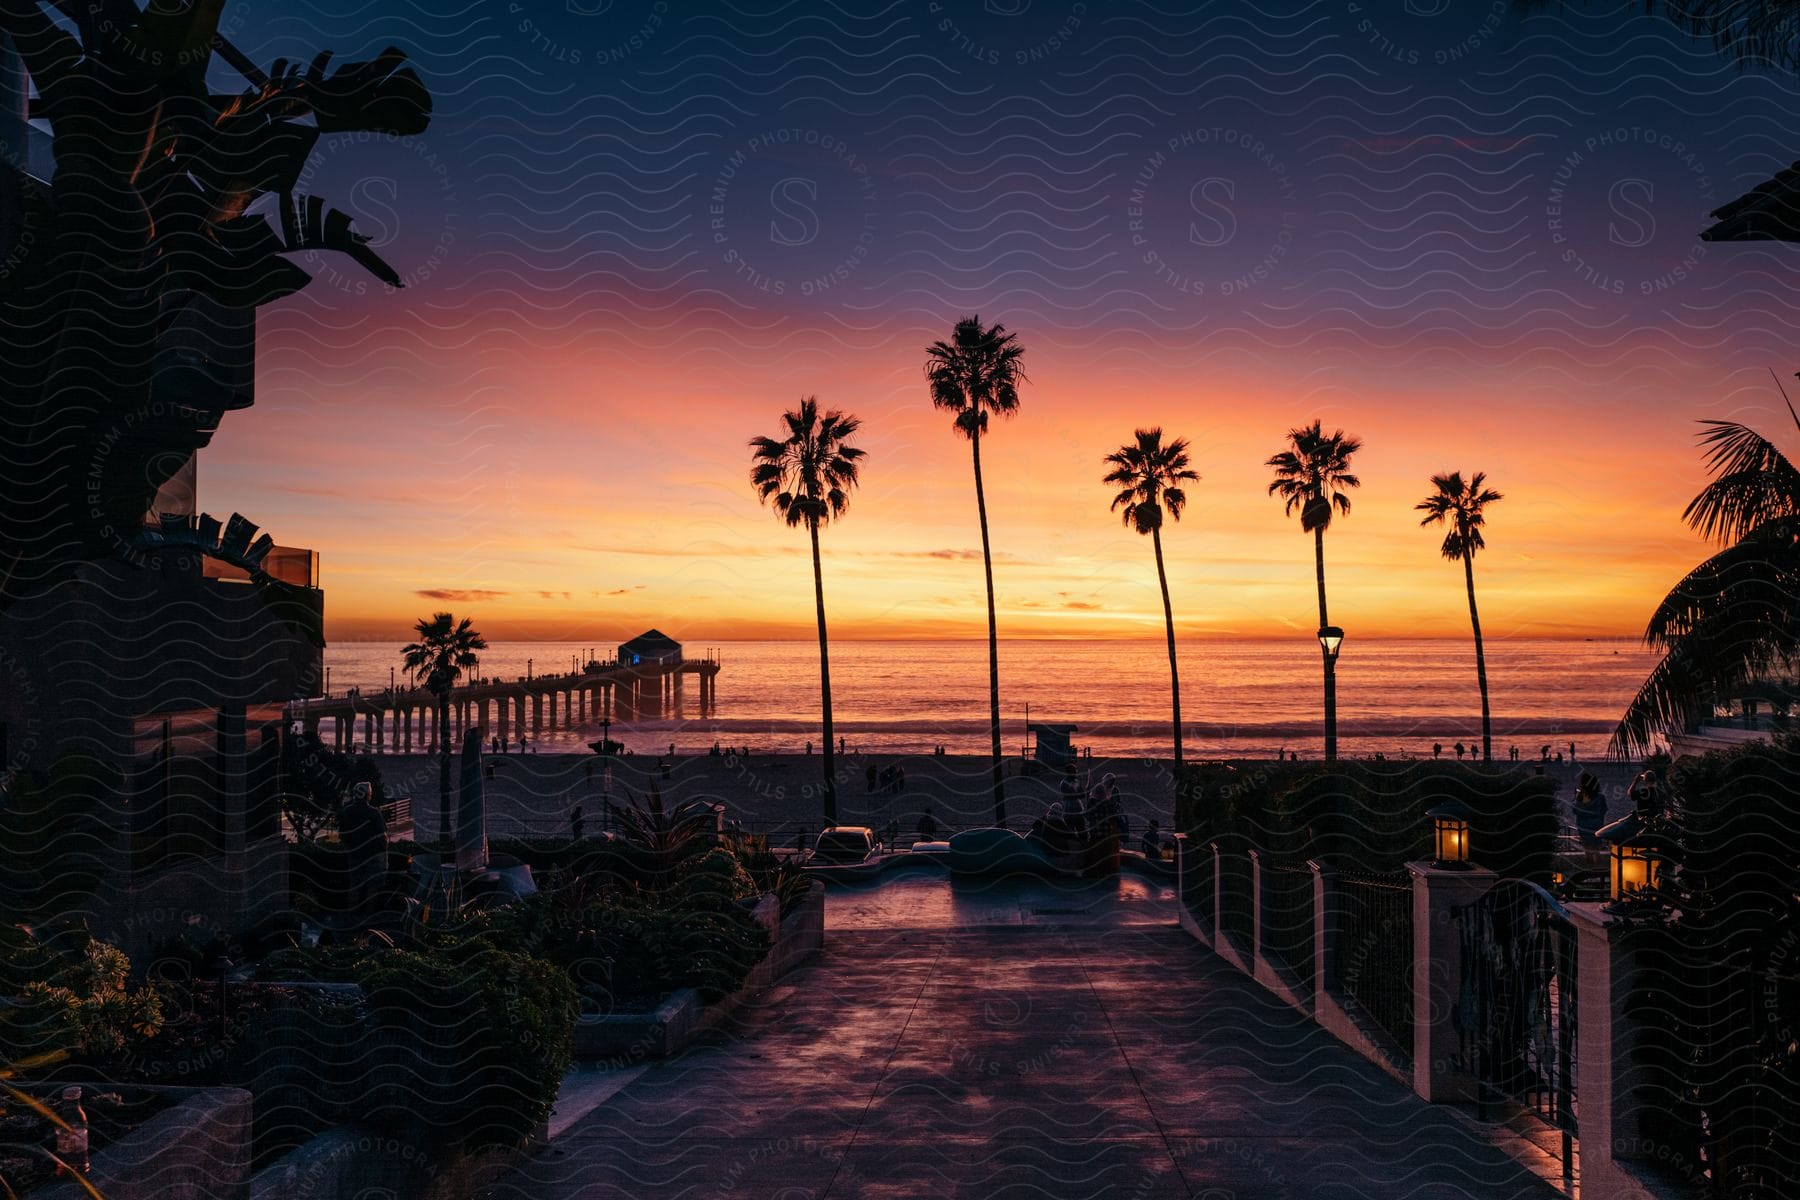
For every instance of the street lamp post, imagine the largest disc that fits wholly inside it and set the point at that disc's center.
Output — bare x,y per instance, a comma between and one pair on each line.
528,670
328,681
1331,640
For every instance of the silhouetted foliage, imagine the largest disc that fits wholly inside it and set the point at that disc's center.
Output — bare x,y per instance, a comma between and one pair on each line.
807,475
1735,618
975,374
128,294
1462,506
1369,818
1150,475
1720,963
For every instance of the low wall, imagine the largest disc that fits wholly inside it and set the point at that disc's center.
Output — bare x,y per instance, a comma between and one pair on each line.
198,1150
353,1163
801,933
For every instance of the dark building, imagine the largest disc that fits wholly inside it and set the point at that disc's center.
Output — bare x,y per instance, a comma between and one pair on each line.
652,648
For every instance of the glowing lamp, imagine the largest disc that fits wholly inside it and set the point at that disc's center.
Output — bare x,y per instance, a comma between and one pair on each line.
1633,861
1331,638
1450,836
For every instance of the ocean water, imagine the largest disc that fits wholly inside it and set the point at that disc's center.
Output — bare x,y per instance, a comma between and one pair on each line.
1239,698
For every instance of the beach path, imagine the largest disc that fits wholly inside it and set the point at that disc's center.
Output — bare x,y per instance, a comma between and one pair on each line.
1017,1039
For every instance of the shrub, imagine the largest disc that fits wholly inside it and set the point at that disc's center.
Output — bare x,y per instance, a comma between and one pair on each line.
627,954
469,1048
1721,969
69,997
1369,816
463,1046
772,874
316,779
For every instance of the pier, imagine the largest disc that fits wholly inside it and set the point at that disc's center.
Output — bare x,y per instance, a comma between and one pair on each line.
647,680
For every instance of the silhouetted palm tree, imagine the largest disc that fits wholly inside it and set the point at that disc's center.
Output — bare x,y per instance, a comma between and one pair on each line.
1736,616
1461,505
1746,31
1311,475
1149,476
975,373
446,648
807,475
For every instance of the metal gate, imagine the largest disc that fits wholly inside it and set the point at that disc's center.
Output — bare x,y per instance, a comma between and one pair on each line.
1515,1007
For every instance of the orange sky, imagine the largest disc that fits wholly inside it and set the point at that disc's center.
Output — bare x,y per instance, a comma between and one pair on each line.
570,489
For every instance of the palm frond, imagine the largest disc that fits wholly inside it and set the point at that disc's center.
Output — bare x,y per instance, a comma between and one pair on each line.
975,373
807,476
1754,483
1744,31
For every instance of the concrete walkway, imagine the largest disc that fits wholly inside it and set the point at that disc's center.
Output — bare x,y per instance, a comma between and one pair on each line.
1017,1041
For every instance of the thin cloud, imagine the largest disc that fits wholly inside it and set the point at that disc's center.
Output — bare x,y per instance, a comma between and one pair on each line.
949,555
460,595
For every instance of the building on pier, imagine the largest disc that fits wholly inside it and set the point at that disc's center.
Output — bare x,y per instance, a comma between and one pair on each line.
648,682
652,648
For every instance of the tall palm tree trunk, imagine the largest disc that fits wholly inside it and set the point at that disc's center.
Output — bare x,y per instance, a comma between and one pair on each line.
987,567
831,807
1487,732
443,749
1330,667
1169,624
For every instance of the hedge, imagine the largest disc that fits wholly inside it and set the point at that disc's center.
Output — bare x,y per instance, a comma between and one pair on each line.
1369,817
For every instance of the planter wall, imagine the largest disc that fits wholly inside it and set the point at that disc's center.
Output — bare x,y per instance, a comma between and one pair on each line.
198,1150
353,1163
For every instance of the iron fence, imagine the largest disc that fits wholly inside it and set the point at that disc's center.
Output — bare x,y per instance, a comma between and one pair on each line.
1516,1005
1371,959
1197,884
1236,916
1287,916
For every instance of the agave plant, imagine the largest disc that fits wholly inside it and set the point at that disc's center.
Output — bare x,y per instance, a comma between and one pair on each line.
659,838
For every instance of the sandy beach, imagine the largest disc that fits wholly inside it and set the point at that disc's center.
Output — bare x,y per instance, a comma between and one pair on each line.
778,794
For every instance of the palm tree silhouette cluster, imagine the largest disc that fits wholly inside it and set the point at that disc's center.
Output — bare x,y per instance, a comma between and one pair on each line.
807,473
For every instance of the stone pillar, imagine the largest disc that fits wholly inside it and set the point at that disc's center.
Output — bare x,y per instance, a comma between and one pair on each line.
1437,973
1606,1075
680,703
537,712
406,720
482,717
503,716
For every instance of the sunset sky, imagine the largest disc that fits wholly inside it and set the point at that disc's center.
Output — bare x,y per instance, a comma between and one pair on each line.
634,237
